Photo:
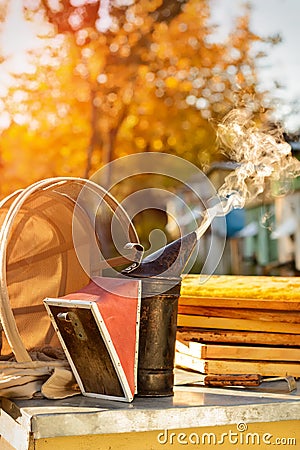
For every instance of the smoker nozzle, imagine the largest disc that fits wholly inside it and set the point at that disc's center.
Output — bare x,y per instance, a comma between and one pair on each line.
167,262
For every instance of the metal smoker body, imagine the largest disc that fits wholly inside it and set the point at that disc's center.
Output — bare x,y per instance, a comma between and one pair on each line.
161,281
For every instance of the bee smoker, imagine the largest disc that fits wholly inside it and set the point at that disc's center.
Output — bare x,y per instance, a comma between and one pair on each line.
161,281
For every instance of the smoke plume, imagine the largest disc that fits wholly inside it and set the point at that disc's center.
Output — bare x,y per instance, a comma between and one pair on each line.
263,158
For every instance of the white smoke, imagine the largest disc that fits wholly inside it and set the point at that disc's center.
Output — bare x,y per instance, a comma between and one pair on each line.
263,157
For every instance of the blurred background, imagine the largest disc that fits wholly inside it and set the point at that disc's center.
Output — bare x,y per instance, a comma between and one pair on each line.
84,82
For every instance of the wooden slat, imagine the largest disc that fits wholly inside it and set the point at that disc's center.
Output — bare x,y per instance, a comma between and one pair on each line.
238,337
183,348
190,362
254,314
237,324
238,302
218,351
263,368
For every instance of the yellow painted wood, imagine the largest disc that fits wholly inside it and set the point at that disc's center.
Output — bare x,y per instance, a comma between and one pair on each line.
242,287
258,436
218,366
219,351
237,324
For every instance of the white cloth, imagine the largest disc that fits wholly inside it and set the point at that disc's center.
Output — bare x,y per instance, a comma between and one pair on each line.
52,379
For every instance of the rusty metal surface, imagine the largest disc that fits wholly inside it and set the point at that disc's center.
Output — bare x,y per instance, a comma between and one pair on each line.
158,325
161,280
167,262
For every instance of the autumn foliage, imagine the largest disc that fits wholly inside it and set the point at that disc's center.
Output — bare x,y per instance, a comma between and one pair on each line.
147,78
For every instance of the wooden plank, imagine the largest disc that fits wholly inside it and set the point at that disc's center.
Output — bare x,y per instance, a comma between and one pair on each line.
237,324
183,348
238,337
239,313
263,368
292,304
219,351
190,362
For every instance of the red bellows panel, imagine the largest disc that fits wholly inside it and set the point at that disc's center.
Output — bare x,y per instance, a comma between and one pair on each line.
98,327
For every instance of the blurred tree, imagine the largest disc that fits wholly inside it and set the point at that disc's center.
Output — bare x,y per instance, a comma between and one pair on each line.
119,77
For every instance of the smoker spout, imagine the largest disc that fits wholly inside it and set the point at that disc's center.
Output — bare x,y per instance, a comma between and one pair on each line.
167,262
221,165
